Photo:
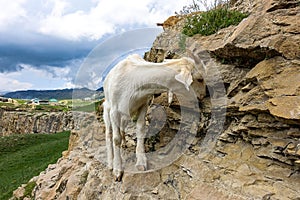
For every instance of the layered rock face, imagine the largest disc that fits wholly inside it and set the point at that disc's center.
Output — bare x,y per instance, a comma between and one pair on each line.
14,122
247,140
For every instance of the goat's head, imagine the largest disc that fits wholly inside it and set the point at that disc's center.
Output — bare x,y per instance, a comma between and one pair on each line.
185,75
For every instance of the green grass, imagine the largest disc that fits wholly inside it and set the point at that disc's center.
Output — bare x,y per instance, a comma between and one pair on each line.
6,104
25,156
86,106
52,108
64,106
210,22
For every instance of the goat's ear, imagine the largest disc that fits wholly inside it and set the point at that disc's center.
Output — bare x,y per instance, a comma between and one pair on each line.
185,77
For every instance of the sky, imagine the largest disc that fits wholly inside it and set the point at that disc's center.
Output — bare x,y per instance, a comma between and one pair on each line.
44,44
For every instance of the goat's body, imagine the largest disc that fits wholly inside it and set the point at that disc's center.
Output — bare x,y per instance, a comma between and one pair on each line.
139,75
127,89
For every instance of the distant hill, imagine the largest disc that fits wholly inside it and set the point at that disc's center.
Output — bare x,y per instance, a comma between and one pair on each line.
57,94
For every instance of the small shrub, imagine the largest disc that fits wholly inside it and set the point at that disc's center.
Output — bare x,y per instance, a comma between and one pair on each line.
210,22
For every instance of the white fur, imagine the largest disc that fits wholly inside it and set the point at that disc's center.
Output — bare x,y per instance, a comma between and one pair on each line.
128,88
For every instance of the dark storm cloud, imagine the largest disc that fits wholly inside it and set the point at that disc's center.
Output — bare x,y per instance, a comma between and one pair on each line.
88,61
39,50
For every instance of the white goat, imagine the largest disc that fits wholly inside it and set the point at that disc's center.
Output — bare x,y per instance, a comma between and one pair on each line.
128,88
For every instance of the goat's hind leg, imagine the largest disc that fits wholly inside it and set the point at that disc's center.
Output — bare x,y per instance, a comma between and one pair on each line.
117,139
141,163
108,136
124,123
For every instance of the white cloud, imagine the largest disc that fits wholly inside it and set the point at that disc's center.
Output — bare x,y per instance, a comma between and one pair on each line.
91,19
10,84
105,17
59,7
12,12
54,72
68,84
30,77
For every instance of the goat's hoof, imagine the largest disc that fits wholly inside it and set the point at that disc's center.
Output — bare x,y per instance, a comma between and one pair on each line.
119,176
141,167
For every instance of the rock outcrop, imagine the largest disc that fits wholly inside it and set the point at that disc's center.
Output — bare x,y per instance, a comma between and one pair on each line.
14,122
247,141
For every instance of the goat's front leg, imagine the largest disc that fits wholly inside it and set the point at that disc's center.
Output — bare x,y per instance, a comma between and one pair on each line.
141,163
117,161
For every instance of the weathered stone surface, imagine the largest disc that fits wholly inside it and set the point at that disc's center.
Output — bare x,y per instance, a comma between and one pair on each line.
14,122
275,76
276,86
287,107
271,30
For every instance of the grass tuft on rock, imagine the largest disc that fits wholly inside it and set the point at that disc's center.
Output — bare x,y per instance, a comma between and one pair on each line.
210,22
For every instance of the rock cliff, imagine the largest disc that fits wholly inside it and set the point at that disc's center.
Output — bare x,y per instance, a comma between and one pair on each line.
14,122
247,142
